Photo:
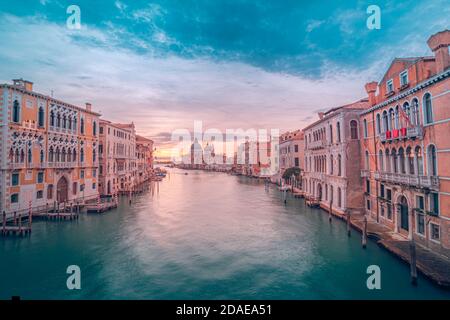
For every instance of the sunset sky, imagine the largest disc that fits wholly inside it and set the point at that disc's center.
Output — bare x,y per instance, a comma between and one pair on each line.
231,64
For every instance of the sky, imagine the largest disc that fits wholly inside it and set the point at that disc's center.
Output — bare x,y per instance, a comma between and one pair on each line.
228,63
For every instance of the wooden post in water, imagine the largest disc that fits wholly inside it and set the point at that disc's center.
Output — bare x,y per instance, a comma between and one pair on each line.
15,218
348,223
330,212
20,224
364,233
30,217
4,222
413,266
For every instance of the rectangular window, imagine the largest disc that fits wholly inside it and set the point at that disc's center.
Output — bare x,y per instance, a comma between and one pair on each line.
389,194
382,211
93,185
81,187
40,177
296,148
390,86
367,185
15,198
404,78
82,174
389,211
94,172
382,190
368,204
101,130
296,162
15,179
434,204
39,194
420,204
421,224
435,232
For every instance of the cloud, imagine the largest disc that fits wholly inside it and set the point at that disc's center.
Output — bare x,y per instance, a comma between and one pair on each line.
314,24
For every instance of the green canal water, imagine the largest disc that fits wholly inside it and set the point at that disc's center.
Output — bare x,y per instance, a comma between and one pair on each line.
203,236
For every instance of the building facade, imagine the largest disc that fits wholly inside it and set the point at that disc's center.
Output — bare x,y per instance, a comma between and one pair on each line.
48,149
332,152
405,149
291,148
118,169
144,159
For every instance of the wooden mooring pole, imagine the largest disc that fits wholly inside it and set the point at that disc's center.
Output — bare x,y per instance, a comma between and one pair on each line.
348,223
330,211
364,233
413,262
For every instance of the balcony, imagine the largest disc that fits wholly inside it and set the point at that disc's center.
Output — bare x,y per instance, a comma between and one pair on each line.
319,144
403,133
431,182
61,165
365,173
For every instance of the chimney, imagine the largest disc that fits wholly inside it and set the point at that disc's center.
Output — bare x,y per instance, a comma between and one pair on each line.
439,43
321,115
88,106
371,89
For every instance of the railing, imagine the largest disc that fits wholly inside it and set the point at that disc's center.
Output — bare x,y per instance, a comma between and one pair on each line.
68,164
408,179
365,173
317,144
403,133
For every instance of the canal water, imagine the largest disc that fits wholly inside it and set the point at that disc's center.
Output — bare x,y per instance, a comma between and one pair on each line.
203,236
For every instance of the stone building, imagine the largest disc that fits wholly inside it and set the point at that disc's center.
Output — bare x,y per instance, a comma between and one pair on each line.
48,149
405,147
118,170
332,153
144,159
291,151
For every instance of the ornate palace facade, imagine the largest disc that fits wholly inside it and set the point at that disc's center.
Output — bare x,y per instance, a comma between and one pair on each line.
48,149
405,147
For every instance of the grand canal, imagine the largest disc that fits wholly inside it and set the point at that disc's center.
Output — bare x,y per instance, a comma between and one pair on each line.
203,236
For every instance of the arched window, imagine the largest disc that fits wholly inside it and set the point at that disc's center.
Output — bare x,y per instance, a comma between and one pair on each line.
63,155
11,155
410,159
381,160
394,160
367,162
50,191
41,117
82,155
338,131
407,111
17,156
50,154
52,118
331,164
378,123
396,118
339,165
74,123
74,155
385,121
415,112
41,156
331,134
94,128
16,111
388,160
94,155
401,160
391,119
58,120
419,160
58,155
432,161
22,156
331,193
366,130
30,156
428,109
354,129
64,121
82,126
339,195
